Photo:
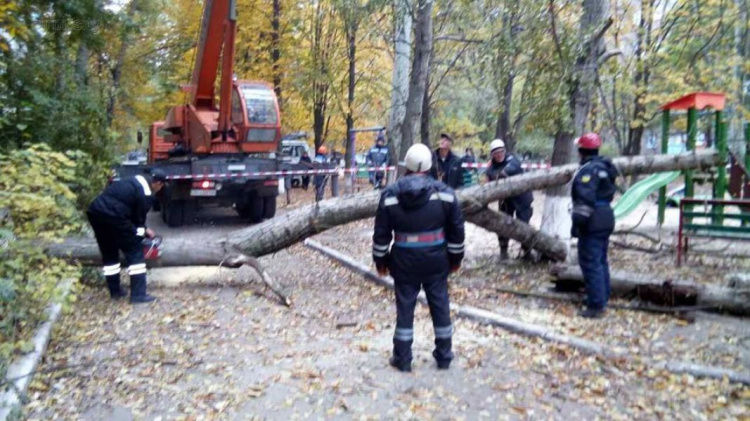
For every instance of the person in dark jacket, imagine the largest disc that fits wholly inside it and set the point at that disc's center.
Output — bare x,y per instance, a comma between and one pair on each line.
504,165
118,218
378,156
320,180
424,219
593,221
446,166
306,165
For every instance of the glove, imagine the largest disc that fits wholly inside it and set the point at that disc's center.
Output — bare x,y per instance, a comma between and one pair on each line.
455,268
382,270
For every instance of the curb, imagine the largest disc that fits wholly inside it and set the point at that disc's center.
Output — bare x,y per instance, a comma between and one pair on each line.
21,371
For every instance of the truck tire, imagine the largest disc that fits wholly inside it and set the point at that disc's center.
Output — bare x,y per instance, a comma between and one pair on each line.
252,209
269,207
174,213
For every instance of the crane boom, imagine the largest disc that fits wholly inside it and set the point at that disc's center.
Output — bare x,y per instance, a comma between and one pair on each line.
211,41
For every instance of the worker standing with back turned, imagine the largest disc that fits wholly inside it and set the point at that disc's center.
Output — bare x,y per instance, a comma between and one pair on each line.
424,219
593,221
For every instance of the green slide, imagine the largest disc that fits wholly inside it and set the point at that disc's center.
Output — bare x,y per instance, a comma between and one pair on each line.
640,191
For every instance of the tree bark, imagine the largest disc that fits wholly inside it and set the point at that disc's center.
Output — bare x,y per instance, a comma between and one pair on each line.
419,73
593,23
503,224
173,253
116,70
351,34
660,292
400,83
276,51
285,230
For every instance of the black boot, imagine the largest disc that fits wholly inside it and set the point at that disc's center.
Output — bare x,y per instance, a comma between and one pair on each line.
504,253
138,290
592,313
113,284
395,363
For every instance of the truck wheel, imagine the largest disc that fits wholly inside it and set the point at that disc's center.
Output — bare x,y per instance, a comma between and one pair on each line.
269,207
174,210
252,209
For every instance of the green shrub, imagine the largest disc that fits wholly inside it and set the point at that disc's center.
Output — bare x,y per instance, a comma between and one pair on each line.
41,194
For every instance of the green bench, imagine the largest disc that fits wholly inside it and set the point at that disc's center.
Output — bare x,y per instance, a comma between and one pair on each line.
711,222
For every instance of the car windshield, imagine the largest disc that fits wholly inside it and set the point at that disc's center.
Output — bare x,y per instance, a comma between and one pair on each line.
261,107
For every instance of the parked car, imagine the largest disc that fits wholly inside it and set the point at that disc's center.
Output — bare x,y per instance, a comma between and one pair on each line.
293,146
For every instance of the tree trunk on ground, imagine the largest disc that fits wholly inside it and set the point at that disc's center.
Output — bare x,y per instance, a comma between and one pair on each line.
503,224
400,83
551,335
173,253
668,293
285,230
419,74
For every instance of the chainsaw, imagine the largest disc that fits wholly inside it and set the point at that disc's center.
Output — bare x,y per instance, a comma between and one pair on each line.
152,247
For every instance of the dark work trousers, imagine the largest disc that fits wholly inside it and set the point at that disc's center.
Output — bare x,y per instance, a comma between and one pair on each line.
115,234
592,256
406,300
520,214
320,182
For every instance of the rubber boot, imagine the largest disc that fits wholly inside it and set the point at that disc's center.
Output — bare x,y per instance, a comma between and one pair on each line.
138,290
115,291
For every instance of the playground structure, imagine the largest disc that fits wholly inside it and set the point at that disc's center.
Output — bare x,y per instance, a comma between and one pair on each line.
692,104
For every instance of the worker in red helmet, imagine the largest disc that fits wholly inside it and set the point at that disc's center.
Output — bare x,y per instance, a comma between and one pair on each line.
593,221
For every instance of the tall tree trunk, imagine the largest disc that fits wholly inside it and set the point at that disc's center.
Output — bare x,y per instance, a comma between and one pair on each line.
419,72
82,64
276,50
504,130
352,55
424,123
641,79
116,69
400,82
593,23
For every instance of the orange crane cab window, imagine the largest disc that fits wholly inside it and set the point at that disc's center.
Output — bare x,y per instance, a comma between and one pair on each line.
261,106
238,117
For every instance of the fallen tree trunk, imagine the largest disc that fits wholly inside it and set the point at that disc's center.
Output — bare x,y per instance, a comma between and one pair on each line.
506,226
173,253
528,329
666,293
283,231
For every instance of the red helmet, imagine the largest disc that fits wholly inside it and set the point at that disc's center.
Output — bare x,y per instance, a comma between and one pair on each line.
589,141
323,150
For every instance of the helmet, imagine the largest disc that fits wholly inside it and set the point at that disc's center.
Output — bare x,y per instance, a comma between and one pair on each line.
158,175
323,150
589,141
418,158
497,144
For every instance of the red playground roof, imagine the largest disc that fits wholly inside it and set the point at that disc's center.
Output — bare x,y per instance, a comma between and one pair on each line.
697,100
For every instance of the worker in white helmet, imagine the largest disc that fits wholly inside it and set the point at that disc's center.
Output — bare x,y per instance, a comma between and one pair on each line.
504,165
423,219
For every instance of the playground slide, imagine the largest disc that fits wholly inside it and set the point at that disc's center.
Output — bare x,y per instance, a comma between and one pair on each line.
641,190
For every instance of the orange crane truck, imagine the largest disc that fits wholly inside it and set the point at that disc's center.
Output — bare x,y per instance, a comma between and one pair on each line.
217,150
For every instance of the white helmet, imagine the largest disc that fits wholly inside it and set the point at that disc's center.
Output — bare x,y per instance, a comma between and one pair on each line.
497,144
418,158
